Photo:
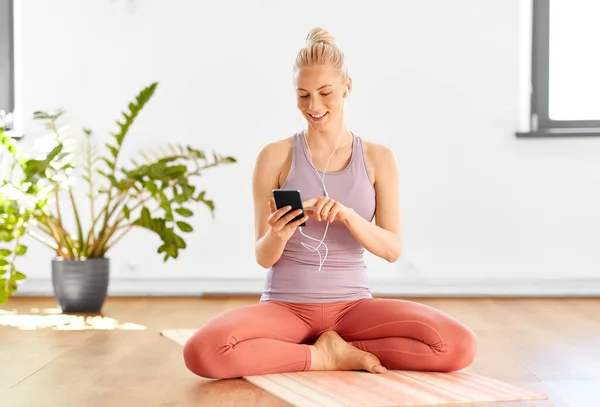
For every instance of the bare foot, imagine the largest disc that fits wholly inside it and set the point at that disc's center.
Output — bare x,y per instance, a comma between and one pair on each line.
331,352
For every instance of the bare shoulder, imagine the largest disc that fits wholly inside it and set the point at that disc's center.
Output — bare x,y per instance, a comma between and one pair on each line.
378,152
275,157
275,152
380,159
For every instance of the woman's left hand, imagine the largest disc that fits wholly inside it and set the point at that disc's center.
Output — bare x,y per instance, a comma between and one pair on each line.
324,208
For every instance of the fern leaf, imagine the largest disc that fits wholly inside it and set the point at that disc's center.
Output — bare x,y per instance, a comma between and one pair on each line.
128,118
113,150
134,108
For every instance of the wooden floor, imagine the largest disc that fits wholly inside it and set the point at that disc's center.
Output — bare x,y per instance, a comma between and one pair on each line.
119,358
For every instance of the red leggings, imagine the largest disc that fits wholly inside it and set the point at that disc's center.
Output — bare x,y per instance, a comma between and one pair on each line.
272,337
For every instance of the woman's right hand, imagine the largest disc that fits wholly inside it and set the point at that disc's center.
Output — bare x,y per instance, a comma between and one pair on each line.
279,220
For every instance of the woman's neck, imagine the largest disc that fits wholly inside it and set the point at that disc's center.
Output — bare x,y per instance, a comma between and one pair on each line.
328,139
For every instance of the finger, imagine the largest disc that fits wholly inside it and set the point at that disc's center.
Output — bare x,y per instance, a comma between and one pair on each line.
295,224
272,206
319,207
290,216
271,221
277,228
326,209
322,202
333,213
279,213
310,212
311,202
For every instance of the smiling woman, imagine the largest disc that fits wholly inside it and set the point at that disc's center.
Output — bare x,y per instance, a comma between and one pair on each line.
322,79
315,314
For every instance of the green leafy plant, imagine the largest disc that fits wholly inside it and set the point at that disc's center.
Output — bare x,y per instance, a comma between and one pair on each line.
156,194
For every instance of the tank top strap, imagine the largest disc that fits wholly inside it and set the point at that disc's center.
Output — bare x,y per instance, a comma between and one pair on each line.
360,162
297,149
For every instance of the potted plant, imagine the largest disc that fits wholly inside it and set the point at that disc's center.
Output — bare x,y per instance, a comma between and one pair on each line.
156,194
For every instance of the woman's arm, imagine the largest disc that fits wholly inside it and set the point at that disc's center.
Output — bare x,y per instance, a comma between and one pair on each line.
382,238
268,247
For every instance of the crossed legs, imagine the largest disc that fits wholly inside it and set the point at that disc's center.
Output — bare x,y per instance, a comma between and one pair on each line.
274,337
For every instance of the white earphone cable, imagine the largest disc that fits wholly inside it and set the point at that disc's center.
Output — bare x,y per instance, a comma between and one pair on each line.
322,178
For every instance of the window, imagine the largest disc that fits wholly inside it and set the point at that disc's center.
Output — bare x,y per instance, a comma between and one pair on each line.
565,74
7,82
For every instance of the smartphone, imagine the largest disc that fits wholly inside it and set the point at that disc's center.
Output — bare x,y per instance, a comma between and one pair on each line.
292,197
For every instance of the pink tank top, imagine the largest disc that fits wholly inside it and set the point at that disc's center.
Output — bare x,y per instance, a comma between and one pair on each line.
295,277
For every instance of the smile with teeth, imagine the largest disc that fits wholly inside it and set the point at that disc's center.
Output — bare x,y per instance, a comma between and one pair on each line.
317,116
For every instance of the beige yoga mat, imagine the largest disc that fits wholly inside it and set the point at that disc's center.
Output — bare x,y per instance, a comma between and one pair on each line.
394,388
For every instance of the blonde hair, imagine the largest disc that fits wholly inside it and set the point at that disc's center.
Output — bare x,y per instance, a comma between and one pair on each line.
321,49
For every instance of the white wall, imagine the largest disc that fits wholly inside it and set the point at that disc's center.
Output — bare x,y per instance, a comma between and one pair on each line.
442,83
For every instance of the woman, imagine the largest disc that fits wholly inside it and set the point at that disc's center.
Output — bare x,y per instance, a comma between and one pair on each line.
315,313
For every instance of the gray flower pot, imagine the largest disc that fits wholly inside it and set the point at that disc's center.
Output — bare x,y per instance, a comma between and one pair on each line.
80,285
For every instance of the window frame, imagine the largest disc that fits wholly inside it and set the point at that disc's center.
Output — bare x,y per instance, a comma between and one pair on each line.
7,10
541,125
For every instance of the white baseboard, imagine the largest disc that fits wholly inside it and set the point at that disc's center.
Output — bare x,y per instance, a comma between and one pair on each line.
460,287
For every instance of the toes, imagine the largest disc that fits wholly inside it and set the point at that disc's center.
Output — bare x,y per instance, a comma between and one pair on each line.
373,365
378,369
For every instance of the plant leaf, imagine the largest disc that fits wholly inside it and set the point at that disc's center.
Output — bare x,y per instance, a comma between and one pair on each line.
20,250
179,242
109,163
184,212
134,108
19,276
185,227
146,218
113,150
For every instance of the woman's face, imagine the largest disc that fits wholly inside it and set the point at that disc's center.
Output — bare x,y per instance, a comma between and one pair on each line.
321,91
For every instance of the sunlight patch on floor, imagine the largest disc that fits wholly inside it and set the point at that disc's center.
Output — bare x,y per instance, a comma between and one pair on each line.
53,318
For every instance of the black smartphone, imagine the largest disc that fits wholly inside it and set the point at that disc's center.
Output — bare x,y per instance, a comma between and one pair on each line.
292,197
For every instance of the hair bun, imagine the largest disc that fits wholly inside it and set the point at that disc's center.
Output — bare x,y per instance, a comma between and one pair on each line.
320,35
321,48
